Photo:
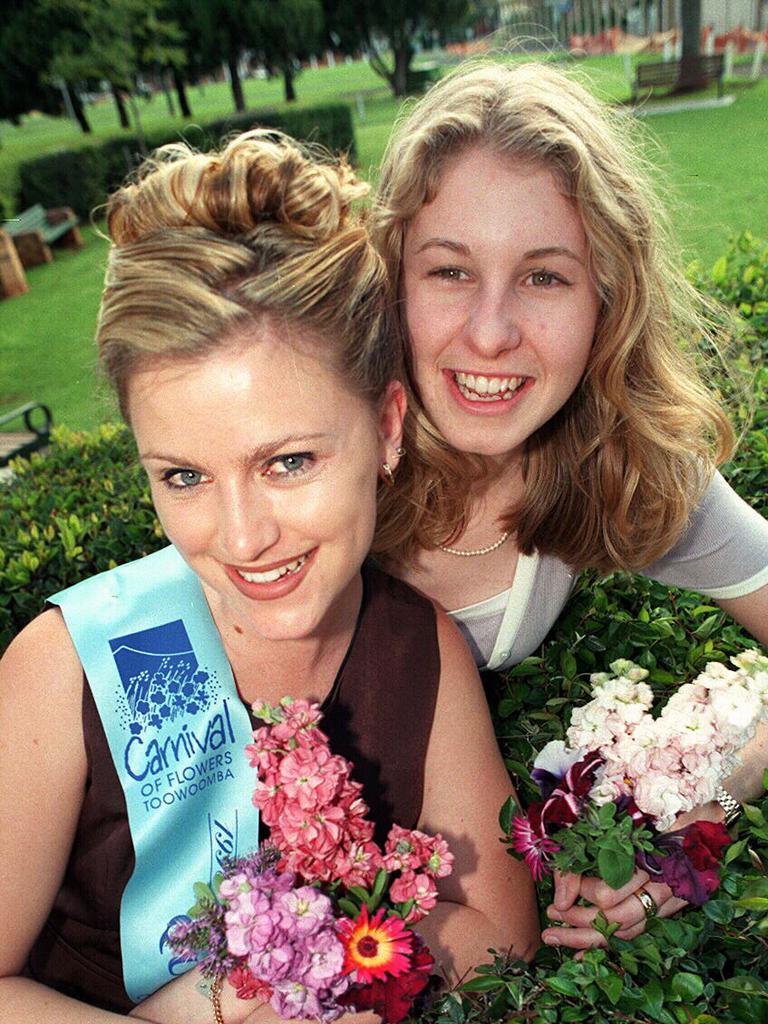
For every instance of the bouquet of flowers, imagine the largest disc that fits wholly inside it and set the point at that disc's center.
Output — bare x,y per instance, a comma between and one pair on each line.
623,777
319,920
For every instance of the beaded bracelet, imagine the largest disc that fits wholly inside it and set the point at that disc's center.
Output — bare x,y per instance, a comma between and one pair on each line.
218,1017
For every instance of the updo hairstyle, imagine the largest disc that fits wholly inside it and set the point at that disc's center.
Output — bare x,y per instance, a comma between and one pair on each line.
611,479
207,245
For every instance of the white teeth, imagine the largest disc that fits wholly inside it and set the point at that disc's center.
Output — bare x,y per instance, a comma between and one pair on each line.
273,574
487,389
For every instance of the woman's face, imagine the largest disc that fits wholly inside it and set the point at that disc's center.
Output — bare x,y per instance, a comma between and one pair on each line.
500,307
263,470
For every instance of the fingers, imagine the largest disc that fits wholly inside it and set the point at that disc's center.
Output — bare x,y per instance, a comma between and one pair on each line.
567,890
603,896
575,932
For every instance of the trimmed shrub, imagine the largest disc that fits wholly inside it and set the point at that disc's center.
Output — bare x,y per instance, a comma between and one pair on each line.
76,510
83,178
69,178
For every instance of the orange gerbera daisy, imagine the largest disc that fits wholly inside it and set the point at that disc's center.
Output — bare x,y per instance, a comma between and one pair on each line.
377,948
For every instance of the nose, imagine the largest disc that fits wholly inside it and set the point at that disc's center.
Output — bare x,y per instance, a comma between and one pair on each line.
493,326
248,526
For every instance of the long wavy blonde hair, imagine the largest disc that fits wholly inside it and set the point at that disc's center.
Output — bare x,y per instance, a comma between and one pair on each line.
611,479
204,245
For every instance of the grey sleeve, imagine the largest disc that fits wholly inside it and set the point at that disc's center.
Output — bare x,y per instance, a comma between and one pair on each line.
724,551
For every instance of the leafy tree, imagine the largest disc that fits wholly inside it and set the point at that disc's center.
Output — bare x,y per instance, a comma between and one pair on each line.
387,30
224,29
288,30
25,51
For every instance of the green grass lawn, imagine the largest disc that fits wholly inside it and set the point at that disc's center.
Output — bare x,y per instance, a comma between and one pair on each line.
711,166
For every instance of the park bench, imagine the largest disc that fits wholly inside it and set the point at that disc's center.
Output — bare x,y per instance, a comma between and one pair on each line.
668,73
36,229
33,437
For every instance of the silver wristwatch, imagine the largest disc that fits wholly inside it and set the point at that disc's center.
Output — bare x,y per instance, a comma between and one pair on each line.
731,806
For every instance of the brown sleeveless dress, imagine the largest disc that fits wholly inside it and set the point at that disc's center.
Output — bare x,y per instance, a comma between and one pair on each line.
378,715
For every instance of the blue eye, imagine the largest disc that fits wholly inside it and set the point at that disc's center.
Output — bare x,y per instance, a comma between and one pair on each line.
290,465
181,479
544,278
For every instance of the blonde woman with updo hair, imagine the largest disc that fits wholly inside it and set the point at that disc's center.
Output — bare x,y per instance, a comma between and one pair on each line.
243,325
556,418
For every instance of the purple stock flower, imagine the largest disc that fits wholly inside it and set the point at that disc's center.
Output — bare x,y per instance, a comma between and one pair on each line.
326,958
293,999
305,910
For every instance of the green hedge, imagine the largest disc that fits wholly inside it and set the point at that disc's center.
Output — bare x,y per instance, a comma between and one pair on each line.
83,178
84,507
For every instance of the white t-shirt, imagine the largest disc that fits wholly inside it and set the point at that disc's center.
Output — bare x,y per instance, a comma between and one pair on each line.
722,554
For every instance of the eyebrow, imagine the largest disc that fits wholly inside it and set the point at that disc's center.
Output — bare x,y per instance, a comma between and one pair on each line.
257,454
531,254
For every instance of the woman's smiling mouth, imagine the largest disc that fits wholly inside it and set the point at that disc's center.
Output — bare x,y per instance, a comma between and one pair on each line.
272,575
480,388
273,581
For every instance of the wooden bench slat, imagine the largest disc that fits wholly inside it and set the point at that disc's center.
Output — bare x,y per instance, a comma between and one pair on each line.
706,67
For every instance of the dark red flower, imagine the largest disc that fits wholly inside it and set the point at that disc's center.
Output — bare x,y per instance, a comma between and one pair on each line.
393,998
580,777
559,810
686,881
704,843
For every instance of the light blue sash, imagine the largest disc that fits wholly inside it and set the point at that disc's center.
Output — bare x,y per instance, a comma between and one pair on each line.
176,729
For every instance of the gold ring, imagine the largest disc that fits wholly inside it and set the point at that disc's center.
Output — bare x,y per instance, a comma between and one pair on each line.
647,902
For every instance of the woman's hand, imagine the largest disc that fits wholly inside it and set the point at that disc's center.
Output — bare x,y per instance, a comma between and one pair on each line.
573,923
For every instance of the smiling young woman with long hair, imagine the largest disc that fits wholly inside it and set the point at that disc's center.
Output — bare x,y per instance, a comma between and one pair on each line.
557,417
243,326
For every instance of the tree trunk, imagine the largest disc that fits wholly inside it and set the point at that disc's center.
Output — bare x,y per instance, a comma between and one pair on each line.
288,76
122,113
78,109
403,52
181,93
237,85
166,92
690,18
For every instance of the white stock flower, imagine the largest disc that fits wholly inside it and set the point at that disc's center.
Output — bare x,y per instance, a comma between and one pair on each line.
736,712
750,660
659,795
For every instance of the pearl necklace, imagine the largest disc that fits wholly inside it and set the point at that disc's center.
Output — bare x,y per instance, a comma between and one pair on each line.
476,551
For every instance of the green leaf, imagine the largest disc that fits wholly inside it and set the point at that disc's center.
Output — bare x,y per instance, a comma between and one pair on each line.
612,985
734,850
508,810
562,985
653,997
753,903
754,815
744,983
379,883
481,984
350,908
719,911
719,271
687,987
615,865
359,893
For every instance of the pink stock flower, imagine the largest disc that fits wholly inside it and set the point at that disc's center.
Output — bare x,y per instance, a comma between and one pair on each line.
310,776
247,986
403,849
418,887
440,862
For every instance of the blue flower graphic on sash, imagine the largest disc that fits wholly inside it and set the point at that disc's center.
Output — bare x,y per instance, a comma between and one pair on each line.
161,676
